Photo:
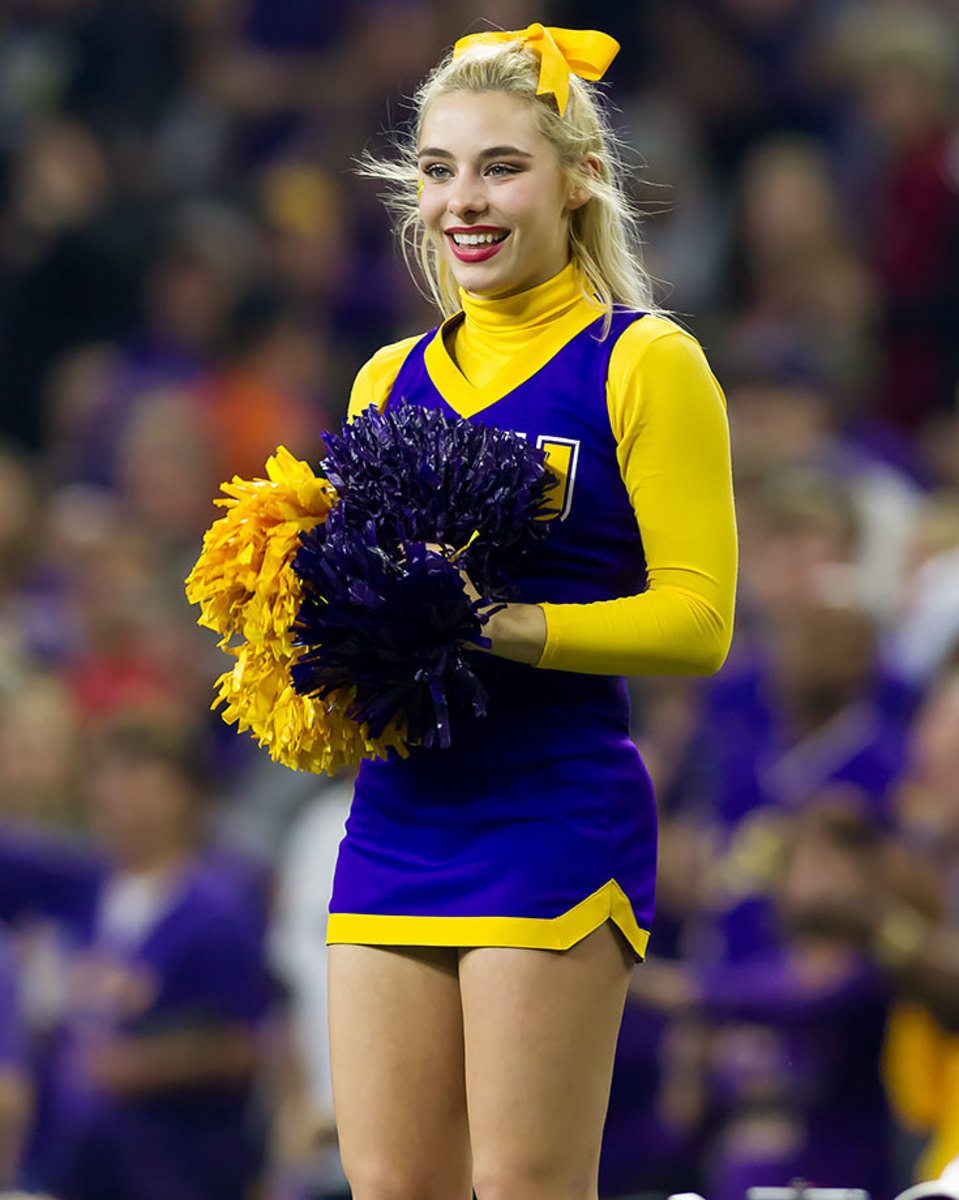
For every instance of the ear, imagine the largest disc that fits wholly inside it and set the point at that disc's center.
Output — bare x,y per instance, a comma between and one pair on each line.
579,193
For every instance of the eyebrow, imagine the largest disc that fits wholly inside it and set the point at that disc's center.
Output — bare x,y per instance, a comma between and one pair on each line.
492,152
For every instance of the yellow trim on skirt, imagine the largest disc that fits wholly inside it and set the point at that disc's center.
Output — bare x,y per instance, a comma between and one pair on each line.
536,933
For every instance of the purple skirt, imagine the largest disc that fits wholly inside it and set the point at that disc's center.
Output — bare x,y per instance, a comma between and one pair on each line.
533,829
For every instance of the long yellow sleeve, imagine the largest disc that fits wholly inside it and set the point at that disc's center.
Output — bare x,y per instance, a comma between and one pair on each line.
668,416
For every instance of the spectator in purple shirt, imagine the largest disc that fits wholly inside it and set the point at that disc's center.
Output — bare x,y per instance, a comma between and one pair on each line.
151,1085
791,1049
809,709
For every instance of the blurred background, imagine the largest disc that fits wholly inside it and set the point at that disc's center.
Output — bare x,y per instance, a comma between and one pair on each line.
190,274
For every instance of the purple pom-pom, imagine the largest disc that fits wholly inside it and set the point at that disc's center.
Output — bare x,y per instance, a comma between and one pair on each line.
424,477
383,614
393,629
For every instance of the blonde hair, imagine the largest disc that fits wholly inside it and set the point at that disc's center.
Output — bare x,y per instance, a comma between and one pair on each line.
604,232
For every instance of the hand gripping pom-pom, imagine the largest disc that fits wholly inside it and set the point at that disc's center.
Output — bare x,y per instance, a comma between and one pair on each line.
394,628
421,476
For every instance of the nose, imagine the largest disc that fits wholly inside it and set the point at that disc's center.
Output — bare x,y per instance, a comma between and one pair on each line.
467,196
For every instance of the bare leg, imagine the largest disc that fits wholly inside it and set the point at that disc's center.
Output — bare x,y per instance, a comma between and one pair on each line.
540,1029
396,1036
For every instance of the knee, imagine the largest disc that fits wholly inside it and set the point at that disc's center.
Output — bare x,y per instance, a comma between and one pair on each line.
532,1180
382,1185
392,1183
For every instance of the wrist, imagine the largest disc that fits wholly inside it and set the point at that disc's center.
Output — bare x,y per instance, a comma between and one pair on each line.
517,632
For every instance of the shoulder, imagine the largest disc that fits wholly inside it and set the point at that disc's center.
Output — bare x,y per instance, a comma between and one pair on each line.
657,367
378,374
656,340
388,359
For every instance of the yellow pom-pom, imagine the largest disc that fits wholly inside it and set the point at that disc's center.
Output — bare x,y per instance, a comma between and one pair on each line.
300,732
240,580
245,586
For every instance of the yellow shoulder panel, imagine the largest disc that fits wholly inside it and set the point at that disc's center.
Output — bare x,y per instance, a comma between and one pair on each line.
375,378
677,355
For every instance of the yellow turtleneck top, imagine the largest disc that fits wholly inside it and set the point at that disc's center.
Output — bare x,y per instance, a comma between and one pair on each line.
668,416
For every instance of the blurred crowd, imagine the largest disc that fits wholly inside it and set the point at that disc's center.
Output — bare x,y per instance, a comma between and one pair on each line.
191,273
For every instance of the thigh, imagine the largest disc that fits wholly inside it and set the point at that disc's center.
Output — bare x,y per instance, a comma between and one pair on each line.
396,1053
540,1029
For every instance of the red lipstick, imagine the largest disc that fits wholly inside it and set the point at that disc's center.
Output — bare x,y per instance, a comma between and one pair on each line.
476,253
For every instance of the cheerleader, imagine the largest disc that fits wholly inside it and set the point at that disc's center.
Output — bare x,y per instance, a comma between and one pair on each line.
491,899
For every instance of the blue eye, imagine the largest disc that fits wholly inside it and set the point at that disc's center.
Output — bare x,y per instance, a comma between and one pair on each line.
500,169
436,171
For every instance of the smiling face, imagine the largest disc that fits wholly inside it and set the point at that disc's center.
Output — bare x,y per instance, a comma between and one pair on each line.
494,199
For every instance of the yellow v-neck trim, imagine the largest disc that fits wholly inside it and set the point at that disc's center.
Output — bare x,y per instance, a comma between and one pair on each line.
467,400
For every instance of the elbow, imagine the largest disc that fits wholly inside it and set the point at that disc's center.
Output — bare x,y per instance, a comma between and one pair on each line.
711,652
719,654
721,651
703,658
706,664
699,634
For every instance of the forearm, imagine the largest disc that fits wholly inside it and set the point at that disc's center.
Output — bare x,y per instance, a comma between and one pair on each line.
667,631
517,632
137,1065
780,995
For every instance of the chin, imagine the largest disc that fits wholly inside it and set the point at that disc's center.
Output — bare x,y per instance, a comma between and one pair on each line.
481,282
501,285
482,278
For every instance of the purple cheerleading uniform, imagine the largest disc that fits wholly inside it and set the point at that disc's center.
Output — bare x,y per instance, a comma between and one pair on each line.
511,835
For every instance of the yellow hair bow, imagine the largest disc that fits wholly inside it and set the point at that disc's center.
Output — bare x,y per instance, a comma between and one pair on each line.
563,52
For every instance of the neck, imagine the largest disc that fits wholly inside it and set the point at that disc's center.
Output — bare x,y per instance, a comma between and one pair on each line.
501,330
521,310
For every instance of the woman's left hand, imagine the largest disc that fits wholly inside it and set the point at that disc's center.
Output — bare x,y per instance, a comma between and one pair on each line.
515,631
